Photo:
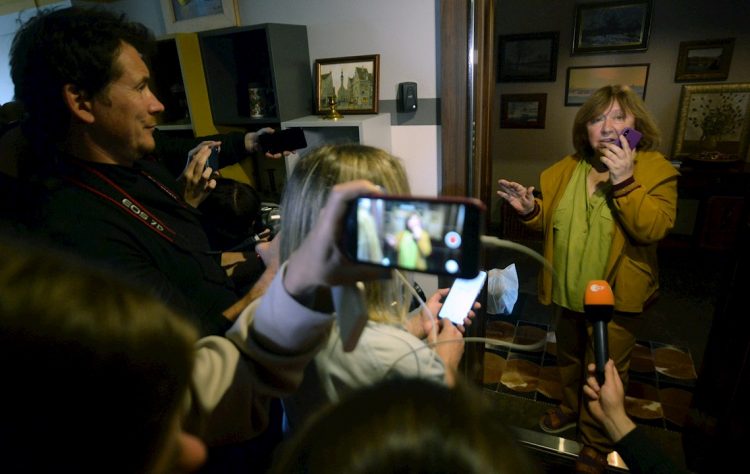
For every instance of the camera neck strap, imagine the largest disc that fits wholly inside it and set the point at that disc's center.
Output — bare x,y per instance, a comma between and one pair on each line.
111,192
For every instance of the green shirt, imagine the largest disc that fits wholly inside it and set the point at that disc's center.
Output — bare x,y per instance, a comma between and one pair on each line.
412,254
582,240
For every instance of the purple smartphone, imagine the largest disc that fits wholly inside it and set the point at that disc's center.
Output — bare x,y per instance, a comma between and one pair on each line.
632,135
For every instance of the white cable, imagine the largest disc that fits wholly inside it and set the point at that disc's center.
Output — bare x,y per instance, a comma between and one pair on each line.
487,340
425,313
508,244
324,375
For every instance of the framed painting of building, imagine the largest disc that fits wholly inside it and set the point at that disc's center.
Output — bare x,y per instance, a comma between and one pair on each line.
352,82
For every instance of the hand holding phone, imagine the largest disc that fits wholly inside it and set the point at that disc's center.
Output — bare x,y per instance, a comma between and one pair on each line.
423,234
632,135
213,159
289,139
461,298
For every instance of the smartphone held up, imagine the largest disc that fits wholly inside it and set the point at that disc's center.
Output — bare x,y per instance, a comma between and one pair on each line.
289,139
213,159
632,135
461,297
429,235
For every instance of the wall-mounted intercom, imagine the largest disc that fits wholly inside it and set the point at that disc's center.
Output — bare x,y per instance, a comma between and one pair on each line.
407,97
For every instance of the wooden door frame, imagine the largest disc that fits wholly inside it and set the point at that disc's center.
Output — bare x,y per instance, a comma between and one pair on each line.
466,164
466,98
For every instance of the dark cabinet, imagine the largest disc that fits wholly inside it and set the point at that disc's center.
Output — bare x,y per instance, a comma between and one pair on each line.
257,75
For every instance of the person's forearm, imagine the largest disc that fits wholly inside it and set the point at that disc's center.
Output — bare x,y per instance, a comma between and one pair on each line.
618,426
262,356
450,377
255,292
285,323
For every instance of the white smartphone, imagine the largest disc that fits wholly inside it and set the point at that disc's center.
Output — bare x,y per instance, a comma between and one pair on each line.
461,297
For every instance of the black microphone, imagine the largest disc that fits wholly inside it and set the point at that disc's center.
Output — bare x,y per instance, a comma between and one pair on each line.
598,304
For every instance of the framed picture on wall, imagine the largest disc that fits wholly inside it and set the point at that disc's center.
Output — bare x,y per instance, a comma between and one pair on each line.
704,60
523,110
353,82
583,81
528,57
611,27
713,119
187,17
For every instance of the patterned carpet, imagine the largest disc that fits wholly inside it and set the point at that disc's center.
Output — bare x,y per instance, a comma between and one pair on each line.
662,376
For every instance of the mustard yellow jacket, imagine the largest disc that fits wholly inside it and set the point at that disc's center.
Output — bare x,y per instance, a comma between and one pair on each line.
644,209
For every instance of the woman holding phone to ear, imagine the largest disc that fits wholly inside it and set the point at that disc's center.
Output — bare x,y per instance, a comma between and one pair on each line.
603,210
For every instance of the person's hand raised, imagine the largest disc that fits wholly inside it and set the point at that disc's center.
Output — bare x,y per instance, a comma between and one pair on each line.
198,178
319,262
518,196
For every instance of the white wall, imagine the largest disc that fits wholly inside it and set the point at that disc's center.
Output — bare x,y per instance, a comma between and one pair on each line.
402,32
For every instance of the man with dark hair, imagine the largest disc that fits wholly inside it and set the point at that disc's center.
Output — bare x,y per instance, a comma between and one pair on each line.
81,76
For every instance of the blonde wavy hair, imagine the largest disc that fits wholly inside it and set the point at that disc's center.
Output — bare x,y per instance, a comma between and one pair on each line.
306,193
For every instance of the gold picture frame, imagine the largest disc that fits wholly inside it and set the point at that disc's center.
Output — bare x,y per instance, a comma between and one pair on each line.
359,92
188,17
698,101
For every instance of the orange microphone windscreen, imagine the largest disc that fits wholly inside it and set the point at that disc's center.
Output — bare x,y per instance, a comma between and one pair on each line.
598,292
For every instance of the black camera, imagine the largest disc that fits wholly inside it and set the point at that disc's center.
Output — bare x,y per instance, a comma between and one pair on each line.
269,217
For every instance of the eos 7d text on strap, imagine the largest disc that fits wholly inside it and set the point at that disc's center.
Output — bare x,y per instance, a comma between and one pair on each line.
114,194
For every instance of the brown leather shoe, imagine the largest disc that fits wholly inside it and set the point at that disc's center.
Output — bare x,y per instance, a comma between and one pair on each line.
591,461
556,420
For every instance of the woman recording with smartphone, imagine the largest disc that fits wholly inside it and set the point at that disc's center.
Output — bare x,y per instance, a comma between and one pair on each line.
394,340
603,211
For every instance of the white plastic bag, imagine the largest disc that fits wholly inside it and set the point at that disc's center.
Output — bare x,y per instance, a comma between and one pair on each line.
502,290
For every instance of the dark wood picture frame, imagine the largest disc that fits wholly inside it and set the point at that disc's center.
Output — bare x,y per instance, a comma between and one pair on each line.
361,77
582,81
612,27
528,57
706,60
523,110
